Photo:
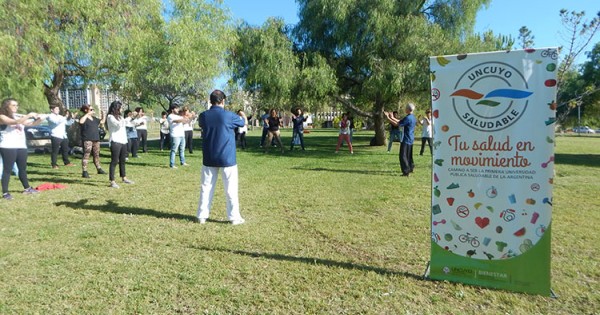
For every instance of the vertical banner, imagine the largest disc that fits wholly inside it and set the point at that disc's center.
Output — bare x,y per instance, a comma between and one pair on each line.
493,165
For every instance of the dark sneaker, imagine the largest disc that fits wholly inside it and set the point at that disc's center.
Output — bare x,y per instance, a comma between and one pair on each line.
85,174
7,196
30,191
101,172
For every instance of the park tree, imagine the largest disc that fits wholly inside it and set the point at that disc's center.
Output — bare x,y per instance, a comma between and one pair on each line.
575,90
46,42
525,37
379,50
181,56
262,62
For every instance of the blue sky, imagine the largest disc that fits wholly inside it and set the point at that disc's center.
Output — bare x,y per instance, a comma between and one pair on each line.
503,16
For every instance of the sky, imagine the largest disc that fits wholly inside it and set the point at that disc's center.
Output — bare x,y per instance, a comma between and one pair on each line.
502,17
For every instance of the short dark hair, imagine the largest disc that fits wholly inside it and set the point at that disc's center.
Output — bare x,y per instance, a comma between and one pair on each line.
172,107
217,96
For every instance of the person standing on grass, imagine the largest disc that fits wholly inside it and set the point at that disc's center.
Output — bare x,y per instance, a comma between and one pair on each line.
427,133
13,144
298,128
177,135
219,155
395,133
344,134
133,142
141,126
265,129
89,126
59,140
408,123
188,128
164,130
273,123
240,134
118,143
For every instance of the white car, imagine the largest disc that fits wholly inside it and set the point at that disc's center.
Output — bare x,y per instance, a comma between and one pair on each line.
583,129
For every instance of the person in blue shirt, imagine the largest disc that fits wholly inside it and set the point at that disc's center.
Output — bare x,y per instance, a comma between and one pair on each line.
298,128
408,138
219,155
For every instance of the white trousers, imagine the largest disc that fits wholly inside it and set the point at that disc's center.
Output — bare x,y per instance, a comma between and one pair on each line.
208,182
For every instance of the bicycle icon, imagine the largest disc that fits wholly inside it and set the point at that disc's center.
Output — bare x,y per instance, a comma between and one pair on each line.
508,215
540,230
550,53
467,238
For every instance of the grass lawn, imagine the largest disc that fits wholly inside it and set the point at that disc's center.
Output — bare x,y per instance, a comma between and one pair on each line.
325,233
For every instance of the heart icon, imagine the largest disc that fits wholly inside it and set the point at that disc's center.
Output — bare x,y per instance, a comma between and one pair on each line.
482,222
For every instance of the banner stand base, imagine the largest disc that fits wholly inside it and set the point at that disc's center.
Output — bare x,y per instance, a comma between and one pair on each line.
553,295
426,274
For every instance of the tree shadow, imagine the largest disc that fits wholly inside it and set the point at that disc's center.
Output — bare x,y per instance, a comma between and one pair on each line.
113,207
592,160
313,261
334,170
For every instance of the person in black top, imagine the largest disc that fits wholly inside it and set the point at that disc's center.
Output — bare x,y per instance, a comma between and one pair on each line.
273,122
90,139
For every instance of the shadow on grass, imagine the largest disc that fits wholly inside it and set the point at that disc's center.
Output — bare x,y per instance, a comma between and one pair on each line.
314,261
578,159
324,169
113,207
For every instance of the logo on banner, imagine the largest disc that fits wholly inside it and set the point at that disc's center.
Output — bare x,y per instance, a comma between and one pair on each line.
490,96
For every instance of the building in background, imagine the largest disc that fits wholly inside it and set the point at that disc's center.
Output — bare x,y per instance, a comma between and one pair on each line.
93,95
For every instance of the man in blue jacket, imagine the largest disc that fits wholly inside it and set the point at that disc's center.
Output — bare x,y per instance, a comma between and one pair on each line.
218,155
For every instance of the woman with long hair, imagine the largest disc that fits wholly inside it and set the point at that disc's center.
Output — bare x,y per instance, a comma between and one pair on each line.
89,126
274,123
344,134
118,143
13,143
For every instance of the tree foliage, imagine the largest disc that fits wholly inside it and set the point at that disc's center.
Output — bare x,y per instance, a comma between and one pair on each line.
47,42
179,58
380,50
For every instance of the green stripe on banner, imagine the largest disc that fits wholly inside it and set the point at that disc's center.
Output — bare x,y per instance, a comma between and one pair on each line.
528,273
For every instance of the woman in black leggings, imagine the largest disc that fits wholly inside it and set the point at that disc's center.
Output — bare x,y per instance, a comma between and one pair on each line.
13,143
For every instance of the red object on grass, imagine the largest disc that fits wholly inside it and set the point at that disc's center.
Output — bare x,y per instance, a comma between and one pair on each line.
50,186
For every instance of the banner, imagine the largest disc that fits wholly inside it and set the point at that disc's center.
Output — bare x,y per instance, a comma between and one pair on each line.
493,163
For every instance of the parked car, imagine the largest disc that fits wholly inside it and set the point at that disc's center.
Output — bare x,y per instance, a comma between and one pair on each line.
38,138
583,129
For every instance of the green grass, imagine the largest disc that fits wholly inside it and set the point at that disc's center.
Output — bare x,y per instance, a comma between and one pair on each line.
324,233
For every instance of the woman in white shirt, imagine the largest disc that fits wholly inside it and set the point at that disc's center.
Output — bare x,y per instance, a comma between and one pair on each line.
118,143
13,143
427,133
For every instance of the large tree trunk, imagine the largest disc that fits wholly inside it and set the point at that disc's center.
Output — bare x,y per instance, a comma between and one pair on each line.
52,91
379,126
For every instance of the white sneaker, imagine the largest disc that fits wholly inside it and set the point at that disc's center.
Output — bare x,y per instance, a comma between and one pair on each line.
237,222
114,185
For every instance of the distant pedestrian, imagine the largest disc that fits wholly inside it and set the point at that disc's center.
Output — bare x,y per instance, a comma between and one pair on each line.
141,126
118,143
164,130
265,129
344,134
13,144
89,125
188,128
240,135
273,123
298,128
133,142
395,133
408,123
177,134
427,133
219,155
59,140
